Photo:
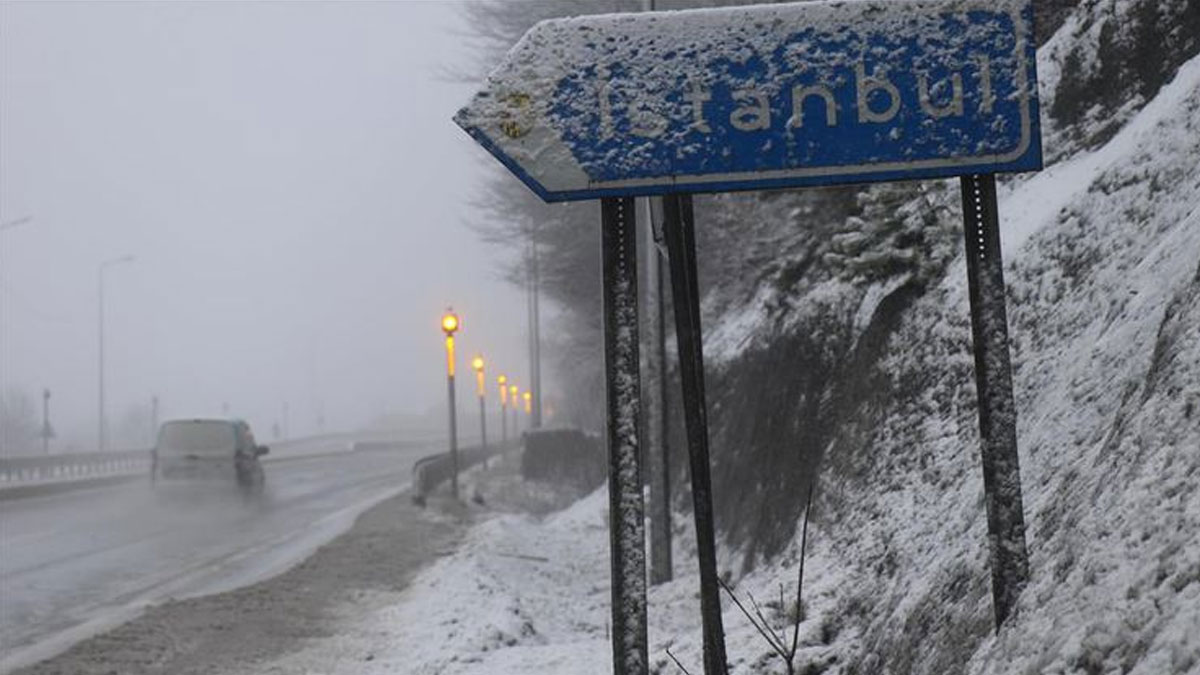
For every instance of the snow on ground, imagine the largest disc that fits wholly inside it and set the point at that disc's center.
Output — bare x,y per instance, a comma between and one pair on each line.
519,596
1106,323
1031,204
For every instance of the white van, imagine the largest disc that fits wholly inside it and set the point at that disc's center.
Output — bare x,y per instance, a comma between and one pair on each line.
217,450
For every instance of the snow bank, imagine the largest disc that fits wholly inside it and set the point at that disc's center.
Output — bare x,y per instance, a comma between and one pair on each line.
519,596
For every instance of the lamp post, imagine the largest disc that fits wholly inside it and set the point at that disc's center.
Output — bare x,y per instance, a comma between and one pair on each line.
477,364
514,403
7,225
450,325
531,422
102,425
153,420
535,334
503,382
47,431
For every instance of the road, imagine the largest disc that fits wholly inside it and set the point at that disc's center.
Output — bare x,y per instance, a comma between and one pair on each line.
75,563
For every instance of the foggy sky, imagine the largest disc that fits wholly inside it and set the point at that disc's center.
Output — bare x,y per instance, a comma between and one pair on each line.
290,182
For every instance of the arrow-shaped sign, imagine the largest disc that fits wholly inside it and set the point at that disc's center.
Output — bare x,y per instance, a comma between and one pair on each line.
764,96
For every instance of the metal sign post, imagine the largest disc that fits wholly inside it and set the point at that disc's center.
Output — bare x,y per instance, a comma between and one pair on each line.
658,411
993,383
679,232
626,512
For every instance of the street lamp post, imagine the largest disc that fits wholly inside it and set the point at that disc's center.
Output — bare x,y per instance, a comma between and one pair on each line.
514,403
153,420
8,225
535,335
46,431
477,364
450,325
102,425
503,382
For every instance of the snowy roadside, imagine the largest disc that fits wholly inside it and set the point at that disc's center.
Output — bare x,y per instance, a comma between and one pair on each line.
529,595
518,596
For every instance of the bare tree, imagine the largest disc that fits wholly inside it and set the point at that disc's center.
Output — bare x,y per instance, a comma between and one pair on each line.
567,236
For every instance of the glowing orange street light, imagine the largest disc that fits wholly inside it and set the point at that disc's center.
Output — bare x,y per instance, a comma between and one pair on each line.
528,396
503,382
477,364
450,325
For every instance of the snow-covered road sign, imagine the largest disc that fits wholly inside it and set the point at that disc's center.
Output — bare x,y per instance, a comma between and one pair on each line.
764,96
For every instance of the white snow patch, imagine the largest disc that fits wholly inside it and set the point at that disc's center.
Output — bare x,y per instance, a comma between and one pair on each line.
1030,205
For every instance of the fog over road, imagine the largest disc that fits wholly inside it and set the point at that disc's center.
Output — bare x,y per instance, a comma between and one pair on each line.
79,561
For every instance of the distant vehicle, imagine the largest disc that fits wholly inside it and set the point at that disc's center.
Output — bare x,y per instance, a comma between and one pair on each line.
209,450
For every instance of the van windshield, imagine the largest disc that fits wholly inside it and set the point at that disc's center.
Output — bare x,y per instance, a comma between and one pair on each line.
203,438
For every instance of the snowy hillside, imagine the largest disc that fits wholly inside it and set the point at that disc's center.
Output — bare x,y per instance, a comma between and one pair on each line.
848,347
1104,273
1105,312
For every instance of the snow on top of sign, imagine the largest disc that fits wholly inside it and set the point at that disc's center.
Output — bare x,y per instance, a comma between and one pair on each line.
597,100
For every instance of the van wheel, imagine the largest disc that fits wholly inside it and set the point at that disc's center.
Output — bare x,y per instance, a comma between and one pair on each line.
252,491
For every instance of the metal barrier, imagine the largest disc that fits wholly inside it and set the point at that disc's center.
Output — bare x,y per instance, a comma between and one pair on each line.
49,468
431,471
84,465
76,466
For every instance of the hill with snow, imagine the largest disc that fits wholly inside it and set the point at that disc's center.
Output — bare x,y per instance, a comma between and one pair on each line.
837,331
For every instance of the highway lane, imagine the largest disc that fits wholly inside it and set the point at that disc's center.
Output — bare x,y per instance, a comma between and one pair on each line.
74,563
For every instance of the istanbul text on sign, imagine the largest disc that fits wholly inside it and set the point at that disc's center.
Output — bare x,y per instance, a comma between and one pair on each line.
764,96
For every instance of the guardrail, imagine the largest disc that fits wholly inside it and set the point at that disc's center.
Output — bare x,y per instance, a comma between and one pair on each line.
89,465
431,471
395,445
48,468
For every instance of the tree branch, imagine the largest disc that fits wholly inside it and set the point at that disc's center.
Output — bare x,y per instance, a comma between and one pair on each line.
677,663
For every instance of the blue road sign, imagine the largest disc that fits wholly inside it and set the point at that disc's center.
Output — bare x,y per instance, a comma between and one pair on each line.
764,96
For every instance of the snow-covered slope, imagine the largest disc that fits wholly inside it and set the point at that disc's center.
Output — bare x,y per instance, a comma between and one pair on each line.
1105,314
1104,274
1103,252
